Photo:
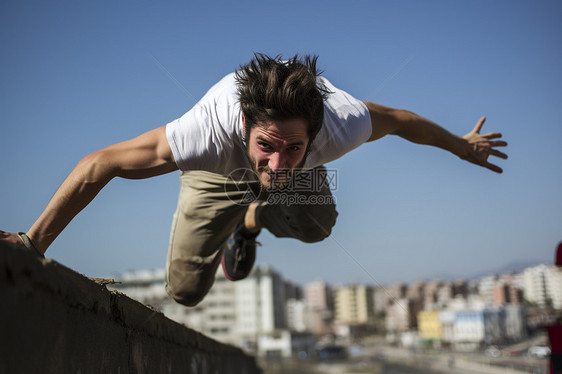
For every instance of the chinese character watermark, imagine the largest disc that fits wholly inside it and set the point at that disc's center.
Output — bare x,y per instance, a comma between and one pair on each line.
286,187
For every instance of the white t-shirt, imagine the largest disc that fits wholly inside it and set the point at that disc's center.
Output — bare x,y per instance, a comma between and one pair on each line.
210,136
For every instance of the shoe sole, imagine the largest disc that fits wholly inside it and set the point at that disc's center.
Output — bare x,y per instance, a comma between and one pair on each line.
225,273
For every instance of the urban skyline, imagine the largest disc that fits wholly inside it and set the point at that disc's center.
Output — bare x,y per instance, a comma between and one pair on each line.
513,268
268,314
389,290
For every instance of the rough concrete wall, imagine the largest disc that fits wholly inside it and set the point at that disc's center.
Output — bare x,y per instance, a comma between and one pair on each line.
54,320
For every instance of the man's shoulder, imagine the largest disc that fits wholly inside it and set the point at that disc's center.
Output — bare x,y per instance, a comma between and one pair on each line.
225,87
346,125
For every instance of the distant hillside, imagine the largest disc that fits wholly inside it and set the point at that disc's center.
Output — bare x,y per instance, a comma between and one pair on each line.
514,267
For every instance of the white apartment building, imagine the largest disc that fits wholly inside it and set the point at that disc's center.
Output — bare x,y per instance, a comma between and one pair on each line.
142,285
232,312
260,303
543,283
486,288
447,319
534,284
218,312
553,280
300,316
215,316
478,326
518,280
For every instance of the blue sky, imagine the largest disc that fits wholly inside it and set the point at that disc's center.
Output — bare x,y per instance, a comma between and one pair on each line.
78,76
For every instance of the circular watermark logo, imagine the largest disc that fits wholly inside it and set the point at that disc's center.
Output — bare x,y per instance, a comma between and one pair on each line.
242,186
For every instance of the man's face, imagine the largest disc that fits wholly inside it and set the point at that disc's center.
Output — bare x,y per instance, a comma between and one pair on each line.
275,149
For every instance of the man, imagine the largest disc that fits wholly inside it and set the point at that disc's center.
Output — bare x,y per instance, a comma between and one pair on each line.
278,119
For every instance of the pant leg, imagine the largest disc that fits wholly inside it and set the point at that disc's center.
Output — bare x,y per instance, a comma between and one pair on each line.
209,208
307,212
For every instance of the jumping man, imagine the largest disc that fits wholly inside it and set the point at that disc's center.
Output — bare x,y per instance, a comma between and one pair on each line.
255,133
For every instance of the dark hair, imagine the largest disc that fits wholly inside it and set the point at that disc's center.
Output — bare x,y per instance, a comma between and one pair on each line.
275,89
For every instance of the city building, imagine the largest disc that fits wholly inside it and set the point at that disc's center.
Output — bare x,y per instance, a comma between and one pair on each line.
466,324
396,291
380,299
260,303
232,312
447,319
505,291
320,299
553,280
415,291
542,285
507,294
429,325
217,312
460,288
430,293
397,317
300,316
515,325
146,286
486,288
475,327
268,310
445,293
292,290
354,304
285,344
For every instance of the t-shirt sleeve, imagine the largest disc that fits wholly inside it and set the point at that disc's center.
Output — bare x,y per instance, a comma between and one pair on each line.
208,137
192,140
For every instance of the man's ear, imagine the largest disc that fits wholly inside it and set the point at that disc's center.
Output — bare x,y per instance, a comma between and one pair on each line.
244,133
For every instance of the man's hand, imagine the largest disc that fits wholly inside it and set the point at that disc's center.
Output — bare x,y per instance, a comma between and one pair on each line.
10,238
480,147
18,241
472,147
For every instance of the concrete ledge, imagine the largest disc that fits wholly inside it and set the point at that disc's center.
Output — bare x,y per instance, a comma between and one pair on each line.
54,320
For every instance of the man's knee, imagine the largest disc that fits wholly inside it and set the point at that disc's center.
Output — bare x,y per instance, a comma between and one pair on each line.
187,295
316,227
189,281
313,233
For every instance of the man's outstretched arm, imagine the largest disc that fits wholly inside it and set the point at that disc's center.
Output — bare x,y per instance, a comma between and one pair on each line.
145,156
472,147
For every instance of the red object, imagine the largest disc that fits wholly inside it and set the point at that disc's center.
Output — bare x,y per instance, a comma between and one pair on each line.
555,331
555,336
558,255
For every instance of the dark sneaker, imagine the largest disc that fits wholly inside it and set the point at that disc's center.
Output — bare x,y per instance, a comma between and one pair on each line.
239,255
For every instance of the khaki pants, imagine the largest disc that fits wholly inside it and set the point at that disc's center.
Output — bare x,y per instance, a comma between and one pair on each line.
210,206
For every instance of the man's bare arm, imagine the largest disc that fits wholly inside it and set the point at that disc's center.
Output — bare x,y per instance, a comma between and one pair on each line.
472,147
145,156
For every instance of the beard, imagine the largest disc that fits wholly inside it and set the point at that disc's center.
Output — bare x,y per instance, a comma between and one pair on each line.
273,181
